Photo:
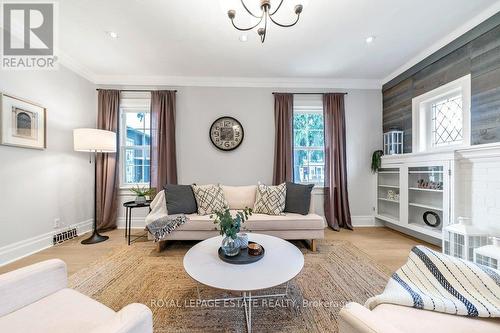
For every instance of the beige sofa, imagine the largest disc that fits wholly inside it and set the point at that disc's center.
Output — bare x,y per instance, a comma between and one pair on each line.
389,318
36,299
287,226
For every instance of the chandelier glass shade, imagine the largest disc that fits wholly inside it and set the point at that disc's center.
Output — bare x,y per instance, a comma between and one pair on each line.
265,17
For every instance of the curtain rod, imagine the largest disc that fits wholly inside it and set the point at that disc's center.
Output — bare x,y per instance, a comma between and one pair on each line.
311,93
133,90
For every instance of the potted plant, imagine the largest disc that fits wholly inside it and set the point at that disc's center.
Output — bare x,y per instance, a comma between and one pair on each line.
377,160
141,192
229,227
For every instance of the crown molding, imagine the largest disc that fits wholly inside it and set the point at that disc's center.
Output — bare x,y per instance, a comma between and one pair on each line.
467,26
264,82
77,67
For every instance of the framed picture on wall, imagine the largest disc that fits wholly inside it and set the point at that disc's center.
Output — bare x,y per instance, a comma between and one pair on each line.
22,123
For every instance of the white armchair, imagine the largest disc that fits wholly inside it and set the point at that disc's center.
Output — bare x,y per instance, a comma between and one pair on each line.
36,299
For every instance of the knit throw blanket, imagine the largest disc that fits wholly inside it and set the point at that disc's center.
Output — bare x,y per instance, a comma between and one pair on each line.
163,226
434,281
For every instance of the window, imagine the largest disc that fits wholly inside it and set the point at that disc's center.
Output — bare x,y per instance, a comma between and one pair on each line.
441,117
308,140
135,139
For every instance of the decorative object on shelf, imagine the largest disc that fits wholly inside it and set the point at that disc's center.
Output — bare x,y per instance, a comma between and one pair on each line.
434,222
267,14
396,197
243,240
141,192
229,227
255,249
393,142
226,133
391,195
460,239
422,183
377,160
488,255
23,123
244,257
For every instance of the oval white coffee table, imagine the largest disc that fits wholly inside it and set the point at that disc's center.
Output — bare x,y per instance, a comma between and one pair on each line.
281,263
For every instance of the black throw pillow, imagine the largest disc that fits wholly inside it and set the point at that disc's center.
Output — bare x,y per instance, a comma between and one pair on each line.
180,199
298,198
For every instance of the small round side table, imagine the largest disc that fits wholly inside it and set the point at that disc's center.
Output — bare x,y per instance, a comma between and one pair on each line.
129,205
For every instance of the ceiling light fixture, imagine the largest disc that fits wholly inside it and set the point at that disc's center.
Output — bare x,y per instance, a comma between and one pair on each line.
112,34
243,38
265,16
369,39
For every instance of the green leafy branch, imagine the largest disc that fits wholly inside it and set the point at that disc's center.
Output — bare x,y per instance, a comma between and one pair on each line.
142,191
229,225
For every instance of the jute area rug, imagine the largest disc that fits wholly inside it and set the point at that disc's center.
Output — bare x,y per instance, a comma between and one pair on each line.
335,275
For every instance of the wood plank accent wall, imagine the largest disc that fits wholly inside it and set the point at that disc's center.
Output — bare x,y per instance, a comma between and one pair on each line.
479,57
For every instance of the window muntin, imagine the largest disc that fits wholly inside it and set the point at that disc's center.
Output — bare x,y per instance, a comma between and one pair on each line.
447,121
308,141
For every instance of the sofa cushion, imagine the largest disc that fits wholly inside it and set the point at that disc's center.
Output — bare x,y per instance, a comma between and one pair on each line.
270,199
209,198
256,222
180,199
298,198
64,311
240,197
411,320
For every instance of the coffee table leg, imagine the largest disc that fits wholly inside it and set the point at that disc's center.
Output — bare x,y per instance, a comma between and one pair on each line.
248,309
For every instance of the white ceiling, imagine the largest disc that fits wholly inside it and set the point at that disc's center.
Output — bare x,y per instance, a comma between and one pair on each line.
194,38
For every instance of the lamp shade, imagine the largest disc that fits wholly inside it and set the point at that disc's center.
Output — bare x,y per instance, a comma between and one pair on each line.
90,139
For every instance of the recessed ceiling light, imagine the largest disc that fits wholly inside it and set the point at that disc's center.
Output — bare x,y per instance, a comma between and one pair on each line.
112,34
243,38
369,39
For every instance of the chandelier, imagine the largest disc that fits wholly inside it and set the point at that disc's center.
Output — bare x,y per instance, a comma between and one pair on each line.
265,16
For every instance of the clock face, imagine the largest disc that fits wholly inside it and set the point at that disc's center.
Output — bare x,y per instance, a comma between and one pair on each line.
226,133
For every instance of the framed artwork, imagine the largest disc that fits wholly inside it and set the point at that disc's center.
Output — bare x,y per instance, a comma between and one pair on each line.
22,123
226,133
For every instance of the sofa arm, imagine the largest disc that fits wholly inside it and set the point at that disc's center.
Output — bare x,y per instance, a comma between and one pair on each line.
30,284
133,318
355,318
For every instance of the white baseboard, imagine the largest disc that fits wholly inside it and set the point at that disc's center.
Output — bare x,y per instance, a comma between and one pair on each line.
137,223
24,248
365,221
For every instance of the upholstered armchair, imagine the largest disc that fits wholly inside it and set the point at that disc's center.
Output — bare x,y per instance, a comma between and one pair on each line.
36,299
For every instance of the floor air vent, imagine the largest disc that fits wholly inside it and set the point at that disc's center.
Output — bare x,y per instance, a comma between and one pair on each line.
64,236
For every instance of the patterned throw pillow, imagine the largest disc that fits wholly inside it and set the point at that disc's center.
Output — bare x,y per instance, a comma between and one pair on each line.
270,200
210,198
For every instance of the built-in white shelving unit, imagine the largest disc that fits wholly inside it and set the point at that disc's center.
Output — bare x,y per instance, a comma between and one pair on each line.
411,189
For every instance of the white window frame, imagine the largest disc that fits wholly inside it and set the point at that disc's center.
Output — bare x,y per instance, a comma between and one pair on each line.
422,115
307,104
130,102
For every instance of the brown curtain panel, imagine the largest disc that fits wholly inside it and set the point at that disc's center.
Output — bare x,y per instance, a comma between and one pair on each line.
107,164
163,153
283,122
337,211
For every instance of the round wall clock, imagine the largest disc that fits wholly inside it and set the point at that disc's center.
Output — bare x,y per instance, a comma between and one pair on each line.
226,133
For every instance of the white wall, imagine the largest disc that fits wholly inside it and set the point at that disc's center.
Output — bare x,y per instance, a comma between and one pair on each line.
37,186
200,162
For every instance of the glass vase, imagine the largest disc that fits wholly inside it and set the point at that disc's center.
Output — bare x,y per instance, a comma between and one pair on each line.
230,246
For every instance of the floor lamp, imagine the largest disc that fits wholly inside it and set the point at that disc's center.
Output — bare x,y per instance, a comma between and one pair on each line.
94,141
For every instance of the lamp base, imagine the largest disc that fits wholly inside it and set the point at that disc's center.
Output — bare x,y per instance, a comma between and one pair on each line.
95,238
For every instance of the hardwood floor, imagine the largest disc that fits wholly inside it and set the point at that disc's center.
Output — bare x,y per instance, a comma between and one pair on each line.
388,247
